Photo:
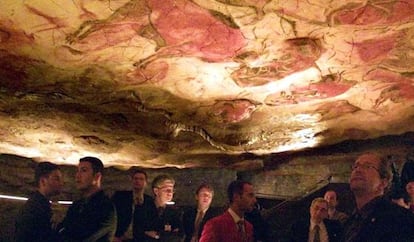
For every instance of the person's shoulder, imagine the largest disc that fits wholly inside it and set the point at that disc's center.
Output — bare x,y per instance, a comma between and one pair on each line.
332,223
342,214
121,194
174,208
189,210
221,218
148,198
392,210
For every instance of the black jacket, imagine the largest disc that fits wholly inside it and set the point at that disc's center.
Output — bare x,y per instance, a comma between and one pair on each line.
33,223
380,221
91,219
123,201
155,220
189,219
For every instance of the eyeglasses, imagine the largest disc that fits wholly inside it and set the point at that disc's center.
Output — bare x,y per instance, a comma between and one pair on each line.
364,167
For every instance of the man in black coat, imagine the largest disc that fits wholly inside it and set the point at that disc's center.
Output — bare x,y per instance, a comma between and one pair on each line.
162,219
92,218
375,218
318,227
34,220
131,207
195,218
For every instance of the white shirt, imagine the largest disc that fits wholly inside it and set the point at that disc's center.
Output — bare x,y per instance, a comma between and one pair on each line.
323,233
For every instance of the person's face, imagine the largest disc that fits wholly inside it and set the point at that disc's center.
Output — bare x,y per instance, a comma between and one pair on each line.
410,189
204,198
319,211
165,192
330,197
53,183
139,182
85,179
365,175
247,199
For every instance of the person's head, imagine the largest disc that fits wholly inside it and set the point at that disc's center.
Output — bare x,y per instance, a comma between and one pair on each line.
89,175
410,190
163,189
241,196
139,179
371,175
318,209
331,197
204,196
48,179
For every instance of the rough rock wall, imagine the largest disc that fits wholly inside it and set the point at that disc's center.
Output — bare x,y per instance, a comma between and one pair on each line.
289,176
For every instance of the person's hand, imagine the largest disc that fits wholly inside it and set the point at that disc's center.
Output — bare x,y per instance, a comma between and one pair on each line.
152,234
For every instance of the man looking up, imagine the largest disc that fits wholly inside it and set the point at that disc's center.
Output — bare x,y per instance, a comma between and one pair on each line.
92,218
375,218
34,220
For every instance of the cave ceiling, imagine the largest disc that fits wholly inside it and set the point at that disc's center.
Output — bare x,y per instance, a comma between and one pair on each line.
201,83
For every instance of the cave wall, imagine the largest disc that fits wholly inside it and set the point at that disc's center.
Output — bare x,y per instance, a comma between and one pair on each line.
297,178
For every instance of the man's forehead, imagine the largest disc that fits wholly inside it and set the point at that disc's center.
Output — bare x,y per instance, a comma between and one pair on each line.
368,158
85,164
320,205
139,175
167,183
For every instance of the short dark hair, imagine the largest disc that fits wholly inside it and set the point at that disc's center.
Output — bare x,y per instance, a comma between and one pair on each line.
135,170
235,187
43,169
206,186
97,165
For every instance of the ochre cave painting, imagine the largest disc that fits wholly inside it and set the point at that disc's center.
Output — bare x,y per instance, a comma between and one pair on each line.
232,111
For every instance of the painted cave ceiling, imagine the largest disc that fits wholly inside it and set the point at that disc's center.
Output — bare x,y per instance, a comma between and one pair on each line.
194,83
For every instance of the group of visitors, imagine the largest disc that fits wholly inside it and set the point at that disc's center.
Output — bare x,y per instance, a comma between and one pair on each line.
135,216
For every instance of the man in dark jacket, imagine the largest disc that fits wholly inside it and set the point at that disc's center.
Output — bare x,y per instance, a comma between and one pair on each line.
92,218
34,221
375,218
318,227
131,207
194,218
162,220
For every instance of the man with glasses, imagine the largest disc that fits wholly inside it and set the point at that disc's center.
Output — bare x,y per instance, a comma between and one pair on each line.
163,220
375,217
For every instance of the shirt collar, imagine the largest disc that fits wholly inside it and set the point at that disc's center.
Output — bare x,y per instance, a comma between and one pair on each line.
235,217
